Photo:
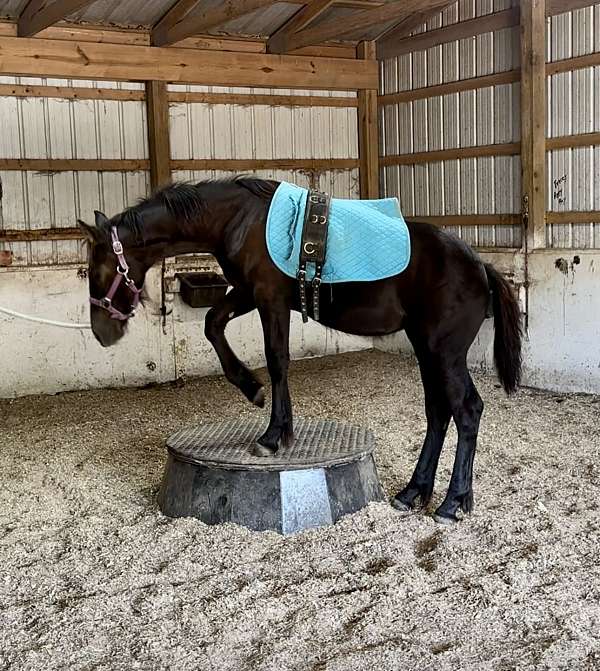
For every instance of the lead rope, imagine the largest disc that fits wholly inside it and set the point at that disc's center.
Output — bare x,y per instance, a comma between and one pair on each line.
41,320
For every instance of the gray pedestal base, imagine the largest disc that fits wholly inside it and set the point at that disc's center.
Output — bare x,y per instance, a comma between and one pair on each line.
212,474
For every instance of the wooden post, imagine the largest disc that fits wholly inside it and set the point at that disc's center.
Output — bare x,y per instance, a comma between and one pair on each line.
533,120
157,106
368,133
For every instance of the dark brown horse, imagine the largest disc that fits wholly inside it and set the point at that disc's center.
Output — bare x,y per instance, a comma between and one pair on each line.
440,300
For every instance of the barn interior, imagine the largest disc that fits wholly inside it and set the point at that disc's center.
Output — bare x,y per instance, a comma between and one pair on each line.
481,117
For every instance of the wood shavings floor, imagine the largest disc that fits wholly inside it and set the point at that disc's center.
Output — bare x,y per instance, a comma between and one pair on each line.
92,576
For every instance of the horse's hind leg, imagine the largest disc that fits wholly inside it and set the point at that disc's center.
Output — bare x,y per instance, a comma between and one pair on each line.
467,407
235,304
437,409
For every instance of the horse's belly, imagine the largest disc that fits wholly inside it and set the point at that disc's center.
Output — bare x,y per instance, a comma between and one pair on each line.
372,318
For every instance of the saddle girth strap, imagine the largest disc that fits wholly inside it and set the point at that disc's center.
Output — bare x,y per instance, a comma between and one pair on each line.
313,248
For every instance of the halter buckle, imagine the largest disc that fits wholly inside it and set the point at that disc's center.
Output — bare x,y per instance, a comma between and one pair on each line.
117,247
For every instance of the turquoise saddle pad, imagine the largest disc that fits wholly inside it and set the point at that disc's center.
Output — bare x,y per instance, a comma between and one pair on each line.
367,240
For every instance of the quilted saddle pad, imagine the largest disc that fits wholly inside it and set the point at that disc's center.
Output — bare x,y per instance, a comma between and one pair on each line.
367,240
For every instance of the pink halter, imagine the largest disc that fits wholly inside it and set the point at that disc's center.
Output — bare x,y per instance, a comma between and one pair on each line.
122,274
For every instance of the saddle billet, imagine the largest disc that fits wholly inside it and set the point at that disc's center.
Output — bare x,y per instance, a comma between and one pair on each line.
313,247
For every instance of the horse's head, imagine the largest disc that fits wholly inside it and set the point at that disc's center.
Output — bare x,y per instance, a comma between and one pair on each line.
115,280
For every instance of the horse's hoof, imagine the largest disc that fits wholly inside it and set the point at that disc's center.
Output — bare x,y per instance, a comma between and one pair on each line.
401,507
259,398
263,451
443,519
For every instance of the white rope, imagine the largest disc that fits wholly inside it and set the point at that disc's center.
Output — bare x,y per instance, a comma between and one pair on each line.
39,320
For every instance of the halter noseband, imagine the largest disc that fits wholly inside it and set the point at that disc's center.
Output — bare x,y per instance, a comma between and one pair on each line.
122,274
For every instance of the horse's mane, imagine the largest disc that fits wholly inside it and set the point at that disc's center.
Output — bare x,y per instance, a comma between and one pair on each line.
185,201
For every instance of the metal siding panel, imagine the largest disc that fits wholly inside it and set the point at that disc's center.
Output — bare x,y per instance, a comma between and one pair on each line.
112,193
406,178
222,130
60,131
14,212
452,187
179,131
64,206
451,124
85,140
134,129
436,188
200,140
421,189
10,138
450,62
109,128
419,124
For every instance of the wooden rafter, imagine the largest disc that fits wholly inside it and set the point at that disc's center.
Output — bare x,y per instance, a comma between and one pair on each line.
185,25
408,24
177,12
338,28
40,14
306,15
301,19
394,46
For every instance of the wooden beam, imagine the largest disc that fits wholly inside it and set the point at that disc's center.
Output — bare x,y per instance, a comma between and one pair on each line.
160,32
277,43
407,25
159,145
577,63
40,234
249,164
189,25
469,84
39,14
69,92
468,220
580,140
573,217
389,46
561,6
75,164
337,28
111,35
38,57
505,149
533,120
368,133
260,99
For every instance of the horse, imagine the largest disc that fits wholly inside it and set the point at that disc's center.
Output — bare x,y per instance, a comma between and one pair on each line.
440,301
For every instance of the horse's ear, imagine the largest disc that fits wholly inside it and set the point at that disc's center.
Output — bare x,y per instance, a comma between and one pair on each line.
89,232
101,218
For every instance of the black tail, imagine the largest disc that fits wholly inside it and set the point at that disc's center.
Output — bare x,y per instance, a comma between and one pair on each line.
508,330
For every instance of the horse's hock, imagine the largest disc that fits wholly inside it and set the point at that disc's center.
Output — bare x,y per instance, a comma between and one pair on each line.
212,474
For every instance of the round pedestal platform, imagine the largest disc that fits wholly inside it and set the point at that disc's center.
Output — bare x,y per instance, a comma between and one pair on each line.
212,474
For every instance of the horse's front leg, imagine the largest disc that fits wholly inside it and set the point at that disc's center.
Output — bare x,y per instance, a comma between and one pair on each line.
275,317
235,304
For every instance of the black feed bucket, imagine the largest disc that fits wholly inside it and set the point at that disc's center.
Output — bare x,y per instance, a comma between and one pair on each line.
202,290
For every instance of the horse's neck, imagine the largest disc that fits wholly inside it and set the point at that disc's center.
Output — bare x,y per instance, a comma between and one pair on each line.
166,237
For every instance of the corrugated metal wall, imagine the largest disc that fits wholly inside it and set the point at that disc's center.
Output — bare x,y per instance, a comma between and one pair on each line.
482,185
208,131
59,128
574,108
108,129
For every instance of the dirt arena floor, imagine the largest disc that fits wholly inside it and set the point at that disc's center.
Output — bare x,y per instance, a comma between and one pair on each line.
92,576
